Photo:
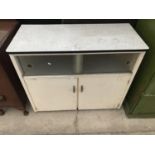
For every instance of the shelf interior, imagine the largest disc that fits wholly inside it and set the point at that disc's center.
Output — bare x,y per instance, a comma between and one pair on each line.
33,65
46,65
109,63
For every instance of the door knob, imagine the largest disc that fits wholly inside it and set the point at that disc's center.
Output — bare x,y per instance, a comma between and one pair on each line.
82,88
74,89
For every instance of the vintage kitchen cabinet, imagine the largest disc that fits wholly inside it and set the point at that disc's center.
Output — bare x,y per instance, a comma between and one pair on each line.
71,67
140,101
12,93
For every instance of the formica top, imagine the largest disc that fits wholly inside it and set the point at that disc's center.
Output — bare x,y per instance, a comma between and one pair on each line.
76,37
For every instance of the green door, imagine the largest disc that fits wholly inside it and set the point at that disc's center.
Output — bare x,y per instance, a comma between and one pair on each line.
145,106
150,91
147,101
140,100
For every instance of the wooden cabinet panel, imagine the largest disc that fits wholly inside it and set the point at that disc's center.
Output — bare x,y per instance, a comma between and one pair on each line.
10,97
11,91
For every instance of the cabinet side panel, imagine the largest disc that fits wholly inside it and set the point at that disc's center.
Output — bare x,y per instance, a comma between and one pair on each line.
20,74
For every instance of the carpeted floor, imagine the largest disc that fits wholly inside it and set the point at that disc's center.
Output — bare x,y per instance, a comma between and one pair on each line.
74,122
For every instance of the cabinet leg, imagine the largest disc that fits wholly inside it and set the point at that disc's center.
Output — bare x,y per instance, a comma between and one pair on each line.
26,113
2,112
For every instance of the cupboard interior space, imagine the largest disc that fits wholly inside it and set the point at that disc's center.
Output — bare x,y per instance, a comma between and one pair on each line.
74,64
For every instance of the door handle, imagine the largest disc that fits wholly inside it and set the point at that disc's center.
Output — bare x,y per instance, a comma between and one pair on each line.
82,88
74,89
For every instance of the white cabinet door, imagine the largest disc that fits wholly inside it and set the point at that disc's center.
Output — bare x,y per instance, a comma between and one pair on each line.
102,91
52,93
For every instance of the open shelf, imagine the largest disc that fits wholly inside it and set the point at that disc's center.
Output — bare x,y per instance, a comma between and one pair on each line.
46,65
108,63
77,64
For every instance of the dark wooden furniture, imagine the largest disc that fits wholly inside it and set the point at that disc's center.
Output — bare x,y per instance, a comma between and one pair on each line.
11,91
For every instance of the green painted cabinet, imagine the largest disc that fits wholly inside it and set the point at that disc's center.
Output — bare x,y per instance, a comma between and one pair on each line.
140,101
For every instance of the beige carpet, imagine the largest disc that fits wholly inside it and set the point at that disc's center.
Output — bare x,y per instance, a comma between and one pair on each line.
74,122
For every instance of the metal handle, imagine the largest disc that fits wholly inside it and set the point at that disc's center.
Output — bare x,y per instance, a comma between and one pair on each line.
2,98
82,88
74,89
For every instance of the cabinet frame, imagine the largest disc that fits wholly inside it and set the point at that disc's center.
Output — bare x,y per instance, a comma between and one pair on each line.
20,72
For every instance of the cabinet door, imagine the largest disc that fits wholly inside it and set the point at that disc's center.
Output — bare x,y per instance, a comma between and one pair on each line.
102,91
52,93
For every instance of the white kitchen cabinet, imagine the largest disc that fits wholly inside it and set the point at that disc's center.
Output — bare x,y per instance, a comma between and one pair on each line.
83,66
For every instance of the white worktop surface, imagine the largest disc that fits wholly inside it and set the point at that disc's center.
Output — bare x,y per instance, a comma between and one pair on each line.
79,37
